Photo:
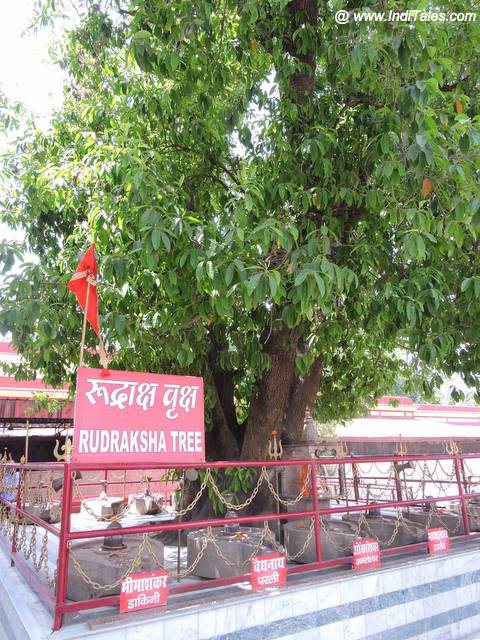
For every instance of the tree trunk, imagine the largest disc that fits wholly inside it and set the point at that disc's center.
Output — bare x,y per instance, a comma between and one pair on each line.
302,11
302,398
221,440
268,406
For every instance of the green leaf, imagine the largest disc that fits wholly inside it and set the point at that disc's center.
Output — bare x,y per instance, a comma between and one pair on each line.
248,202
421,140
229,273
300,277
464,143
173,61
387,169
253,282
166,241
273,284
320,283
156,238
142,35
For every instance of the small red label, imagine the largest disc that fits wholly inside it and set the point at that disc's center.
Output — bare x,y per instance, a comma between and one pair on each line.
438,541
366,553
268,571
144,590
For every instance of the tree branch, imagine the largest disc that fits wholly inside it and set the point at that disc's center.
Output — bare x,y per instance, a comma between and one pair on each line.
185,149
462,76
208,176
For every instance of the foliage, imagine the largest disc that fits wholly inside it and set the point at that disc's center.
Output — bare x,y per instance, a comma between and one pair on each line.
250,166
327,430
412,389
235,484
42,401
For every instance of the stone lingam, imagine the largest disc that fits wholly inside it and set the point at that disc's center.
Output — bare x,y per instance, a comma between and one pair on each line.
336,537
104,507
47,511
435,518
146,503
382,527
473,508
105,562
234,542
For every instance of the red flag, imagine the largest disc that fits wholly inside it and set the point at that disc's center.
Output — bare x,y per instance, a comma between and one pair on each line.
85,273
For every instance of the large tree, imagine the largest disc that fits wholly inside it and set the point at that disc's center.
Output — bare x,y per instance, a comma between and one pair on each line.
280,203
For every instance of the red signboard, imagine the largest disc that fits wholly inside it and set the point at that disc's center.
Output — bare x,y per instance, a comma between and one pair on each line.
125,416
438,541
144,590
268,571
366,553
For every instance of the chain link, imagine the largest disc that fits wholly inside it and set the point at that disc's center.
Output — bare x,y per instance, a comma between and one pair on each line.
182,512
307,542
302,550
135,562
90,511
208,480
145,544
442,522
263,477
435,481
211,538
332,541
449,476
223,500
474,516
284,502
30,551
192,567
127,508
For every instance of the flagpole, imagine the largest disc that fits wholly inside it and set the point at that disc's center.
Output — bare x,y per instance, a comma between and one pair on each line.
84,328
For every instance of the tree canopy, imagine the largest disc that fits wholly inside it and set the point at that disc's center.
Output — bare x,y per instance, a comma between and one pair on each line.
280,203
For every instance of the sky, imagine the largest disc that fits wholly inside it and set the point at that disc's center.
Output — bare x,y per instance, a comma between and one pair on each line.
26,75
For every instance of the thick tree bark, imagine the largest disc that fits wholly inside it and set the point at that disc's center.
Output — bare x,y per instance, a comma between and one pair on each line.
221,440
226,390
302,11
302,397
268,405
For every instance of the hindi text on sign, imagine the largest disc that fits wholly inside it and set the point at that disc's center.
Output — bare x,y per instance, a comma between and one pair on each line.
438,541
123,394
366,553
268,571
144,590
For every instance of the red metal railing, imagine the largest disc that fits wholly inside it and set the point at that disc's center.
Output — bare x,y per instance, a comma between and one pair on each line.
57,602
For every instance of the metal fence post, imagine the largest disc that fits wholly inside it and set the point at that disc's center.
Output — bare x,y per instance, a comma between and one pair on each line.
62,564
356,482
461,493
21,482
318,541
